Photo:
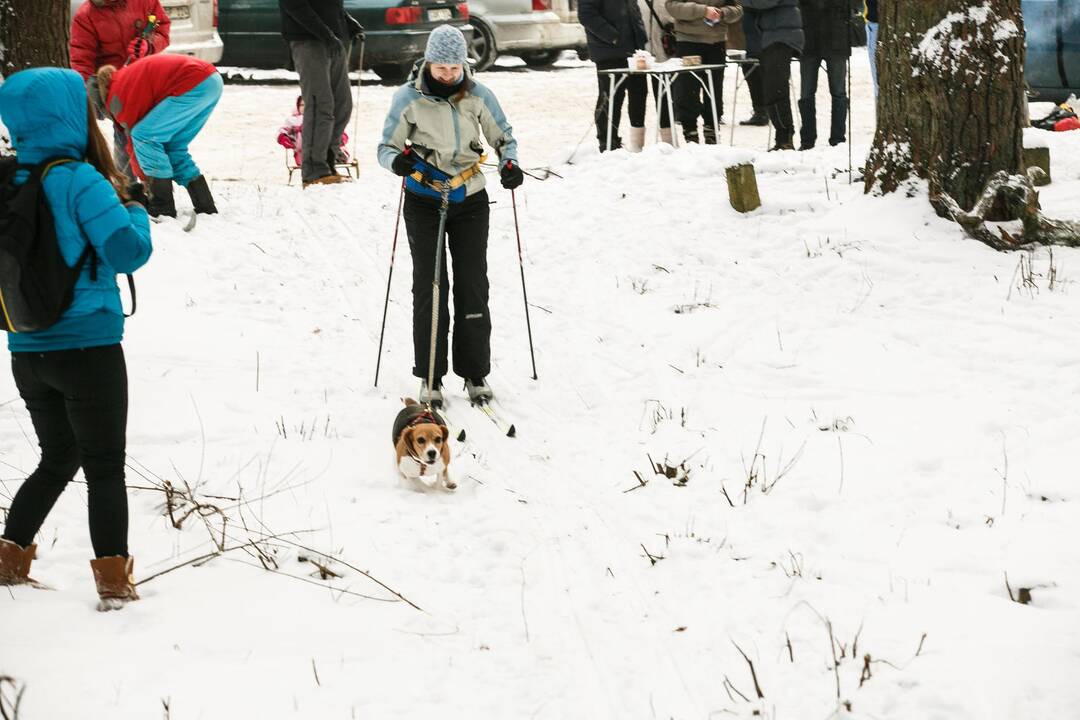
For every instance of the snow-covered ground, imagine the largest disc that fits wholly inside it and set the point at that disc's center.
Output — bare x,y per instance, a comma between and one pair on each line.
899,400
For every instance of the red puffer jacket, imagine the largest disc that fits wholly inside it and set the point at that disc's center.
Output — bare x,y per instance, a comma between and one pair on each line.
102,30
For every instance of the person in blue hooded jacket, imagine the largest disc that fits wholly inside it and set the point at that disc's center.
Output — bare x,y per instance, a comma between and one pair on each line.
72,375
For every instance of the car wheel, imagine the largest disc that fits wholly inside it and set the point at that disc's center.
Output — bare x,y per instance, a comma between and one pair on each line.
541,58
393,74
482,49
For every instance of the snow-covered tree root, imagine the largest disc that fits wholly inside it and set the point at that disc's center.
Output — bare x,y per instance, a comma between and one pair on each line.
1020,200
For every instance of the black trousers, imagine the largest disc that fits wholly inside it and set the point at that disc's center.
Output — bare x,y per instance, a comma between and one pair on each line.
755,83
78,402
467,233
635,86
776,76
836,70
691,97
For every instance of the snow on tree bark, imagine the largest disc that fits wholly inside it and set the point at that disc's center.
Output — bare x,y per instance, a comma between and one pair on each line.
952,96
33,33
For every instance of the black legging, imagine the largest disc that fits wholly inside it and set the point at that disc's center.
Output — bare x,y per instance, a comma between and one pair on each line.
635,85
78,401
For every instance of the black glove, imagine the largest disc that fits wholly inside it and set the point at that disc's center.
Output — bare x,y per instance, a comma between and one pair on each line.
137,194
404,164
511,175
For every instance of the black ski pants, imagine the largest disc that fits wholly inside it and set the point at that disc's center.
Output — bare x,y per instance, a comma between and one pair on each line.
634,85
692,97
776,76
78,402
467,235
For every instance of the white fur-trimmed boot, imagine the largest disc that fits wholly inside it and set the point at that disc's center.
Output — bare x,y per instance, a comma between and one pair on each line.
637,139
665,136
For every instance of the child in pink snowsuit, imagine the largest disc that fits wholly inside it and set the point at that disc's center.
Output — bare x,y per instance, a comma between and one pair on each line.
289,135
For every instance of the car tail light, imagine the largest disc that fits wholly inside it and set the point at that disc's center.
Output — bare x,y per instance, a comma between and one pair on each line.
403,15
215,13
541,5
463,11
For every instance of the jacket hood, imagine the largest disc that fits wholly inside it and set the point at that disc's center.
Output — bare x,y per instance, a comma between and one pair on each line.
44,109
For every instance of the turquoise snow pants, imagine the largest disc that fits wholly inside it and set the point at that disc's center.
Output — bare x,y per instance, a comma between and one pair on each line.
161,139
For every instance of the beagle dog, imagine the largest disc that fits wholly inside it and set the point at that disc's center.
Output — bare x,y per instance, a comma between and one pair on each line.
422,446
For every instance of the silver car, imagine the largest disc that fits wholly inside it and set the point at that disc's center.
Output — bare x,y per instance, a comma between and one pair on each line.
535,30
193,29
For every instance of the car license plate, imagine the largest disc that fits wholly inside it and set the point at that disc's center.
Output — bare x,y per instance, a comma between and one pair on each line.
178,12
439,15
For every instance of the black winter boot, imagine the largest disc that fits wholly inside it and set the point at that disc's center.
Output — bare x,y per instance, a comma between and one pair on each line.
760,118
808,133
837,133
708,133
161,197
201,199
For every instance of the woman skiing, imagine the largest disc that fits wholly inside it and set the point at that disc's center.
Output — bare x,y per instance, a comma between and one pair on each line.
432,139
162,102
72,375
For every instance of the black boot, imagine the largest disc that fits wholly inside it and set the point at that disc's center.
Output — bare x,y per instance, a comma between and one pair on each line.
837,133
161,197
759,118
808,133
780,116
709,134
201,199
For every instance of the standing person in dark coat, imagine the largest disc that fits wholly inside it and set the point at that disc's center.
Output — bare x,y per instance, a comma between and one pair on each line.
320,33
827,27
614,29
780,25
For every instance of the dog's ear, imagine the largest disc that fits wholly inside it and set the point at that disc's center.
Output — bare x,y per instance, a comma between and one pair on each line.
445,431
407,436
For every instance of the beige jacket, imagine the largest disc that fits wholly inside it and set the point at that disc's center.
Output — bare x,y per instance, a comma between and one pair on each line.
690,20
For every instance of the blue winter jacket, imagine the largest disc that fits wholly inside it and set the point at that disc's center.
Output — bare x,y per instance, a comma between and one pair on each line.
45,112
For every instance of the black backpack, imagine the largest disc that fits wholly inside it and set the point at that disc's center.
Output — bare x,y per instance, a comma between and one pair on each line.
36,285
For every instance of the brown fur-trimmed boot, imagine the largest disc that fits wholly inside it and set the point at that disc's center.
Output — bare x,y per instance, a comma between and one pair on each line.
115,584
15,563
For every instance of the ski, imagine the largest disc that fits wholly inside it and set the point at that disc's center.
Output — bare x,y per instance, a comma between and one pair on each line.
507,428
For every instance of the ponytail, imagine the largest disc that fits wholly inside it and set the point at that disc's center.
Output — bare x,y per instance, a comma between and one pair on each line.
98,155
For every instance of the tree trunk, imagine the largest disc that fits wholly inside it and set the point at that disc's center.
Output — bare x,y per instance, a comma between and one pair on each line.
952,99
33,33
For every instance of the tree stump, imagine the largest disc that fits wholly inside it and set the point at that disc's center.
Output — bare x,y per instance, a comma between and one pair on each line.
1038,157
742,188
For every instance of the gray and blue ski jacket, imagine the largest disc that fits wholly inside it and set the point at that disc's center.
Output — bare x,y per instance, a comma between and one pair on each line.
446,133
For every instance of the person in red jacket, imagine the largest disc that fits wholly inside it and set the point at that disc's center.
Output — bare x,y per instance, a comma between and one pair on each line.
110,32
162,102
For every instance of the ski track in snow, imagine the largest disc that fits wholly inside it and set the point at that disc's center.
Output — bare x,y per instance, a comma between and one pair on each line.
904,376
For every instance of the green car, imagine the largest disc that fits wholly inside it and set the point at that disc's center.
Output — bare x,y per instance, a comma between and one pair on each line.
395,33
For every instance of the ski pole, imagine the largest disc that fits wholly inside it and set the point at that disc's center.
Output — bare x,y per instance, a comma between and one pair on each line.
356,103
524,294
389,277
445,192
